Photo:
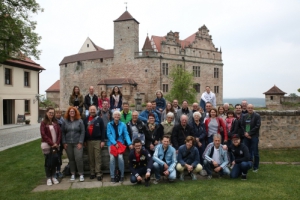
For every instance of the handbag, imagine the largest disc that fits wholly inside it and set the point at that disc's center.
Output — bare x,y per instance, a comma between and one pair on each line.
52,159
116,151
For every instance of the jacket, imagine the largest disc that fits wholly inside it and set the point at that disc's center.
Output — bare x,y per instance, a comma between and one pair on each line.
87,101
254,124
145,161
240,153
160,103
199,131
179,134
100,102
73,131
72,99
179,113
235,129
143,116
128,116
98,130
46,134
140,126
123,134
221,123
170,157
190,157
208,154
112,103
151,136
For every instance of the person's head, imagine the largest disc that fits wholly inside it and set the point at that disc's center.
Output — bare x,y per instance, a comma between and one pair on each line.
91,90
244,105
72,113
196,116
105,105
116,115
137,145
125,106
217,140
189,141
153,104
76,90
149,106
185,104
116,91
226,106
208,106
103,94
170,117
238,109
169,108
135,116
207,89
236,140
159,94
57,113
165,141
213,113
250,108
184,120
151,118
200,109
195,106
221,110
175,103
230,114
49,116
92,110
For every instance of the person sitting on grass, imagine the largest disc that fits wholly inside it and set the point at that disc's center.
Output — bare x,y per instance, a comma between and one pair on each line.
188,158
140,163
165,160
216,158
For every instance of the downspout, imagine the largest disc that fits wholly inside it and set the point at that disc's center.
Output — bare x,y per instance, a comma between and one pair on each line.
160,77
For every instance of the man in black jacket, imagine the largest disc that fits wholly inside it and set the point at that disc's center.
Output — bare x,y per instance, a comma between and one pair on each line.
136,128
90,99
250,124
140,163
94,136
180,132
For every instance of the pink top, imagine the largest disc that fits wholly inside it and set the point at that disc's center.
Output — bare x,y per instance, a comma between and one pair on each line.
100,101
229,123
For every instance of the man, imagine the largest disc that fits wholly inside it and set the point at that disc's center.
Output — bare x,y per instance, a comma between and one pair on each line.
250,124
175,105
215,158
144,115
94,136
183,111
126,114
188,158
136,128
195,107
242,161
208,107
244,106
238,111
208,96
106,115
226,108
90,99
154,109
140,163
180,132
164,159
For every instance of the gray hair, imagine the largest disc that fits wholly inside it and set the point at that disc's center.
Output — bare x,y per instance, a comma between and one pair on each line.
187,118
116,112
227,104
170,114
217,136
196,113
135,112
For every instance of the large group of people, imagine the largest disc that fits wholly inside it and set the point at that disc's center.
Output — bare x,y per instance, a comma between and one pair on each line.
166,139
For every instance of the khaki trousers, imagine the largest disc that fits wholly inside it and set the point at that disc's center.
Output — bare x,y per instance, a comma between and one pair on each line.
180,169
94,153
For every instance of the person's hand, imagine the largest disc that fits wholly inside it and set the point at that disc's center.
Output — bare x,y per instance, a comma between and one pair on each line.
166,173
147,175
130,146
215,164
65,146
139,178
199,144
102,144
117,146
246,134
217,169
166,166
233,163
225,147
55,145
79,146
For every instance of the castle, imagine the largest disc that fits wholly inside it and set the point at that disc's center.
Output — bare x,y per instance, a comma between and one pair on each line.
143,71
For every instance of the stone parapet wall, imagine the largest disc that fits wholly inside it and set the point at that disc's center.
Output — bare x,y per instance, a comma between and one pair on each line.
279,129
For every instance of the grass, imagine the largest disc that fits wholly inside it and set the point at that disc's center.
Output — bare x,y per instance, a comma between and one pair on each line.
21,170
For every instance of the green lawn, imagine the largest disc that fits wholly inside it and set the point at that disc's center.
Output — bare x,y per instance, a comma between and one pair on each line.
21,170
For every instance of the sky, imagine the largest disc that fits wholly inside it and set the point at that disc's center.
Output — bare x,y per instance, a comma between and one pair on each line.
260,40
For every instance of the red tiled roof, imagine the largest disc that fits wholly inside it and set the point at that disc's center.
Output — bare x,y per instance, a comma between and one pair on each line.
157,41
125,17
147,44
27,62
54,87
92,55
190,38
117,81
274,90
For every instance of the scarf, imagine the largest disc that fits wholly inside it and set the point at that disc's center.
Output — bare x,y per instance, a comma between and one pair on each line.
117,99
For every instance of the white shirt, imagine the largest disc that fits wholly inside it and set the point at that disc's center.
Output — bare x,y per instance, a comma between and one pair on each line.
216,155
209,97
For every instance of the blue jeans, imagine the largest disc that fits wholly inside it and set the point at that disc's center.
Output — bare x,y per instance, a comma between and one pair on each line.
209,167
112,165
252,145
240,168
141,171
158,169
201,150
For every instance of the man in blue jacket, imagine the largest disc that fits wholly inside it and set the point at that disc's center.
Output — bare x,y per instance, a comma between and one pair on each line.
164,159
144,115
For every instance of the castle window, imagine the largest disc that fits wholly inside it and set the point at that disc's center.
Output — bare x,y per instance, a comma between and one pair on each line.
271,97
216,89
66,65
165,87
197,87
196,71
79,63
216,72
26,79
165,69
101,59
88,45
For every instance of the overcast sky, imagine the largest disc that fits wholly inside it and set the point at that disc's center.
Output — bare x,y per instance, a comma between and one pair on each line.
260,40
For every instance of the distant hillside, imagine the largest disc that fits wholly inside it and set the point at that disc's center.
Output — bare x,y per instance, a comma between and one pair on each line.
257,102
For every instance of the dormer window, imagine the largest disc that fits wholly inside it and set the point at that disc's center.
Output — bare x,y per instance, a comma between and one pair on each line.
87,45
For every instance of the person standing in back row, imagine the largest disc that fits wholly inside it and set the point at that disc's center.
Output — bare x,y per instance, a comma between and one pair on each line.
90,99
116,99
208,96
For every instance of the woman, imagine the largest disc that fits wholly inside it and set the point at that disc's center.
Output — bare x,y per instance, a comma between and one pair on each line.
152,134
116,99
76,99
103,97
160,101
168,125
73,133
51,136
169,108
213,125
200,133
60,121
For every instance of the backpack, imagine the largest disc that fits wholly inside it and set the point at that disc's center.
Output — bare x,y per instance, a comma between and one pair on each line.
117,174
67,171
52,159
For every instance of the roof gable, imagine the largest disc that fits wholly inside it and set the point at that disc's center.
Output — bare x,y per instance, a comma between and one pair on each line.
274,90
147,44
55,87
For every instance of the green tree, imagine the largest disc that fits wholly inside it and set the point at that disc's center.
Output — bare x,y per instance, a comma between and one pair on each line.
293,95
299,90
17,29
182,85
47,103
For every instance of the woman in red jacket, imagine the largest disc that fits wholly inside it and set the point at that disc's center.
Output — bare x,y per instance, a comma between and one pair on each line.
213,125
51,136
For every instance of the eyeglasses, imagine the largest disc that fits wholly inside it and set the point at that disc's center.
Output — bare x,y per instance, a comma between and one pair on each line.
51,113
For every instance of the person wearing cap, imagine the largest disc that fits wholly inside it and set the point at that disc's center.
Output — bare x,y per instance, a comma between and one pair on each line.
242,161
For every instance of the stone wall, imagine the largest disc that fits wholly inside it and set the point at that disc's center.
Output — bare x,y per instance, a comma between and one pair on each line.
279,129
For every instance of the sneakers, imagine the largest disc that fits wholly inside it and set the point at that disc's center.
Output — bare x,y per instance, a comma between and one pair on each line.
156,181
193,176
121,179
209,177
112,180
244,177
49,182
203,172
72,178
99,178
255,170
55,181
181,177
81,178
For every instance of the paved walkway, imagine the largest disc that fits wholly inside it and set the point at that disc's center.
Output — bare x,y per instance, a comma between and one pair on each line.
15,134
